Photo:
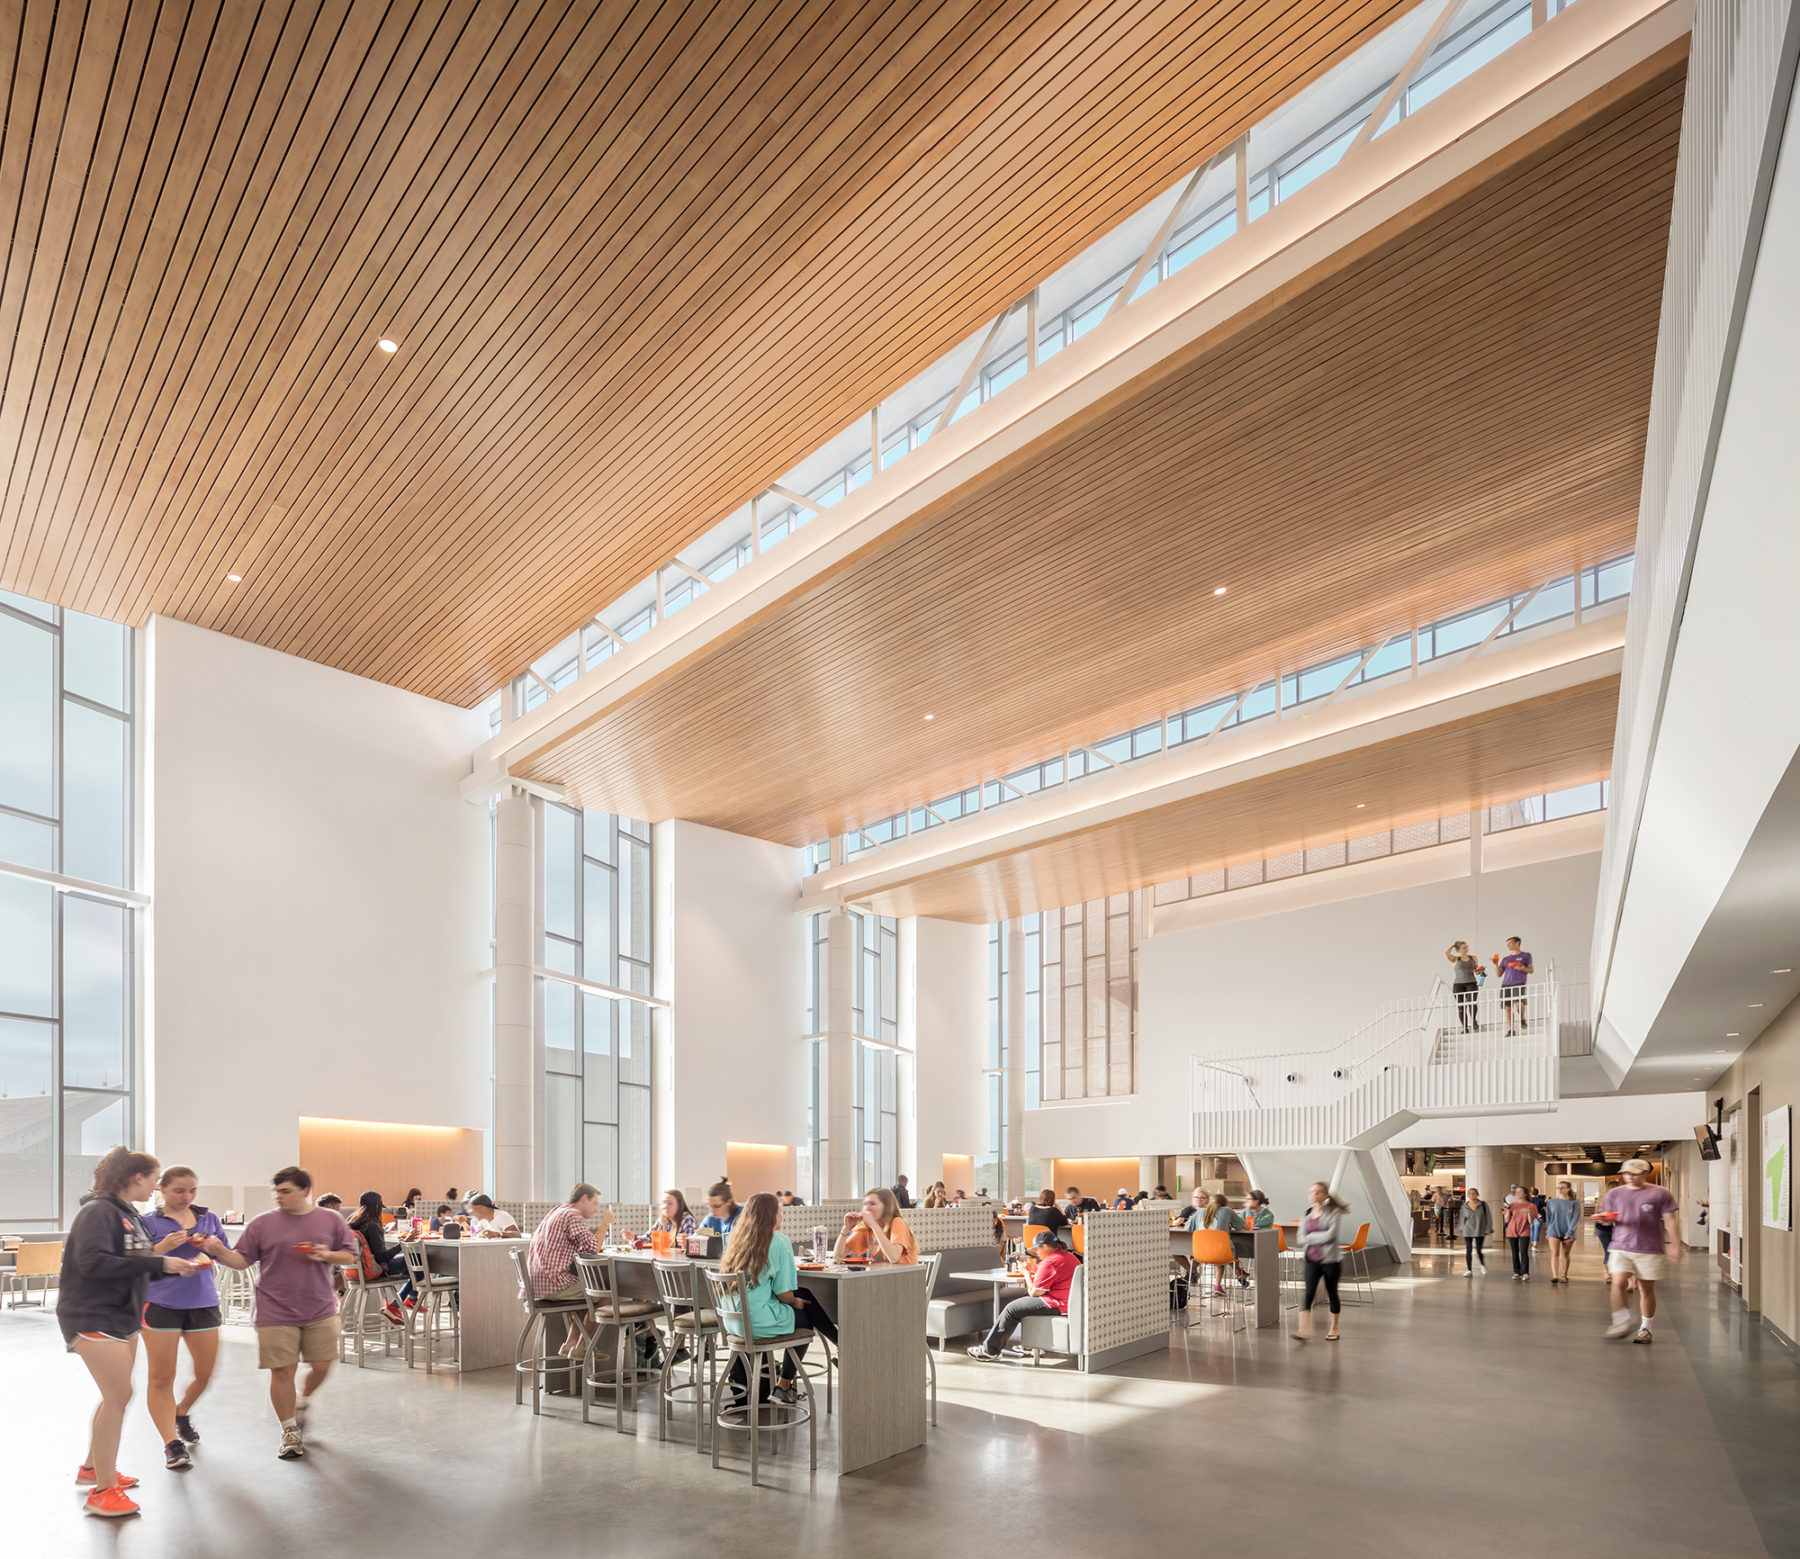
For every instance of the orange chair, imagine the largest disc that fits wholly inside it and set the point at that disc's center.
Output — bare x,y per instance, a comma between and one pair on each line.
1359,1247
1077,1230
1212,1248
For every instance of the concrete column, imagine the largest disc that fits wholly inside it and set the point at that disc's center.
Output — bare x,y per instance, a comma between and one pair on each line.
1487,1171
518,1170
1149,1172
840,1059
1015,1059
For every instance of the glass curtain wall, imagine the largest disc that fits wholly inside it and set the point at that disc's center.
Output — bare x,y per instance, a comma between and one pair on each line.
875,1024
990,1167
67,1019
597,1049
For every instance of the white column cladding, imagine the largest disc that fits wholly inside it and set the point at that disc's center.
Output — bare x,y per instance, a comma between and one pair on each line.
516,1160
1486,1169
1015,1058
907,947
840,1058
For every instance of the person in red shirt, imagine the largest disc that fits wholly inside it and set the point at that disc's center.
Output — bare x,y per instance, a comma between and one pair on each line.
1047,1294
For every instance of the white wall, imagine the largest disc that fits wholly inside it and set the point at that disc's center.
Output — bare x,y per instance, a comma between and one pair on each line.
731,959
1300,963
320,917
948,979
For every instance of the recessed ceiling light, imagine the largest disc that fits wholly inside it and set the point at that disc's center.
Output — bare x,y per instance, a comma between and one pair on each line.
1360,805
235,578
387,345
1221,590
931,717
1755,1004
1781,971
1734,1035
1721,1052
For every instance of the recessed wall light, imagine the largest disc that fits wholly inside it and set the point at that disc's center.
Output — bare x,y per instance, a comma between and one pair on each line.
1221,590
387,345
235,578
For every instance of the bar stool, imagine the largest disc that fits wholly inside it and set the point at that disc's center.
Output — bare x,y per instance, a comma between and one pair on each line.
695,1328
435,1295
363,1299
731,1303
1358,1250
630,1319
1212,1248
536,1363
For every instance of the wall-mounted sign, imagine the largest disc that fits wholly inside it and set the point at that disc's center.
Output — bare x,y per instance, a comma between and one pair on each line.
1778,1169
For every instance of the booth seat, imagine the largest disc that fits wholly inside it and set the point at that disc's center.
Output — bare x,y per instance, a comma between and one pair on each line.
1058,1333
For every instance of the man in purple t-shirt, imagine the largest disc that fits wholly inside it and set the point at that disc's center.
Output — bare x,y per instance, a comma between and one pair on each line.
295,1247
1515,970
1646,1238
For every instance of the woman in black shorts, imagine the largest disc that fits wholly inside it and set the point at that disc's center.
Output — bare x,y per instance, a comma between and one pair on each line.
107,1262
179,1307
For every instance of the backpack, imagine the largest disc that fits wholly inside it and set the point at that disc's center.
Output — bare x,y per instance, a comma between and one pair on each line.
1178,1291
371,1269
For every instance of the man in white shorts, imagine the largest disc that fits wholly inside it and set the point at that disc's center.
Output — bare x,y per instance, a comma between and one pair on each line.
1646,1238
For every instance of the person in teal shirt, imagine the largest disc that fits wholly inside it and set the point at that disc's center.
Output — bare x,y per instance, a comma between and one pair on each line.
1257,1212
773,1299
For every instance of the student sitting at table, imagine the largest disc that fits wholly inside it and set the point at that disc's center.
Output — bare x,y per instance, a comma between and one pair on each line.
1196,1218
488,1222
332,1200
724,1209
675,1218
1045,1214
878,1232
1257,1212
1047,1293
937,1196
773,1300
445,1214
556,1242
1123,1202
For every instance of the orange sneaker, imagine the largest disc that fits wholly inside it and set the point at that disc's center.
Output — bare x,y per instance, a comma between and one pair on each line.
86,1475
111,1502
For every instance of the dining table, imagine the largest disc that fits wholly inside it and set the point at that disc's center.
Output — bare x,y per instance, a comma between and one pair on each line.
1260,1250
879,1309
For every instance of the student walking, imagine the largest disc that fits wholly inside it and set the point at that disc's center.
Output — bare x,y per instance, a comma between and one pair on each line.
1645,1240
1514,969
1474,1223
108,1260
1321,1248
1562,1217
296,1246
180,1309
1520,1215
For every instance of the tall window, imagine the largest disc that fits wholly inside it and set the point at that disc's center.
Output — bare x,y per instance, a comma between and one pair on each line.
67,1020
875,1056
597,1055
990,1168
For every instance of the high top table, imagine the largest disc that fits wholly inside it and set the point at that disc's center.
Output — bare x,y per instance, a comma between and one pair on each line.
880,1315
1261,1249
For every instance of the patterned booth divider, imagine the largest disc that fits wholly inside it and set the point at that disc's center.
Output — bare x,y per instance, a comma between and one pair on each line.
1125,1282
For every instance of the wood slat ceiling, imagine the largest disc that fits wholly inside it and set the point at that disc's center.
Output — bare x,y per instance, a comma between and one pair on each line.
1457,414
1546,743
640,258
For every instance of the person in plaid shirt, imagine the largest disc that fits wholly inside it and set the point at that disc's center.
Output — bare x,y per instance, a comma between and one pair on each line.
554,1246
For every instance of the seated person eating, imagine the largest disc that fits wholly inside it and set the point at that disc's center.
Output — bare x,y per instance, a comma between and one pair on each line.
878,1232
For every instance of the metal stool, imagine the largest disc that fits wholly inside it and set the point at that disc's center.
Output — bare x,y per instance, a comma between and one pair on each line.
1212,1248
730,1301
537,1364
1355,1257
629,1319
695,1328
435,1295
363,1299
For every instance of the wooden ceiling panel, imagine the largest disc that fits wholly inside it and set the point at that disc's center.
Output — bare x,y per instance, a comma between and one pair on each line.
640,258
1458,413
1543,744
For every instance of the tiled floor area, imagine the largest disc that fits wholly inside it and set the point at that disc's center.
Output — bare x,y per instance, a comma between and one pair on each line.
1464,1417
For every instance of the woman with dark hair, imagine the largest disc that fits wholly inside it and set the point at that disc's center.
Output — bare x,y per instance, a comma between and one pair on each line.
773,1301
1045,1214
108,1260
366,1223
410,1203
1321,1246
178,1309
676,1217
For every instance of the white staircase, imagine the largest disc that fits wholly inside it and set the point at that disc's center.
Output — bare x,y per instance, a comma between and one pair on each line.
1412,1060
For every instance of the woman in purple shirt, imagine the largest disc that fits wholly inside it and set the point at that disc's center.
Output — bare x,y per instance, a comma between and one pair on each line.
179,1307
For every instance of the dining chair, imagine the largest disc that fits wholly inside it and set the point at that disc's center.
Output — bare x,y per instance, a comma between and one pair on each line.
628,1319
731,1303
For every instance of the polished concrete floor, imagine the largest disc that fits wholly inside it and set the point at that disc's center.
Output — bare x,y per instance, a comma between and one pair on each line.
1456,1417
